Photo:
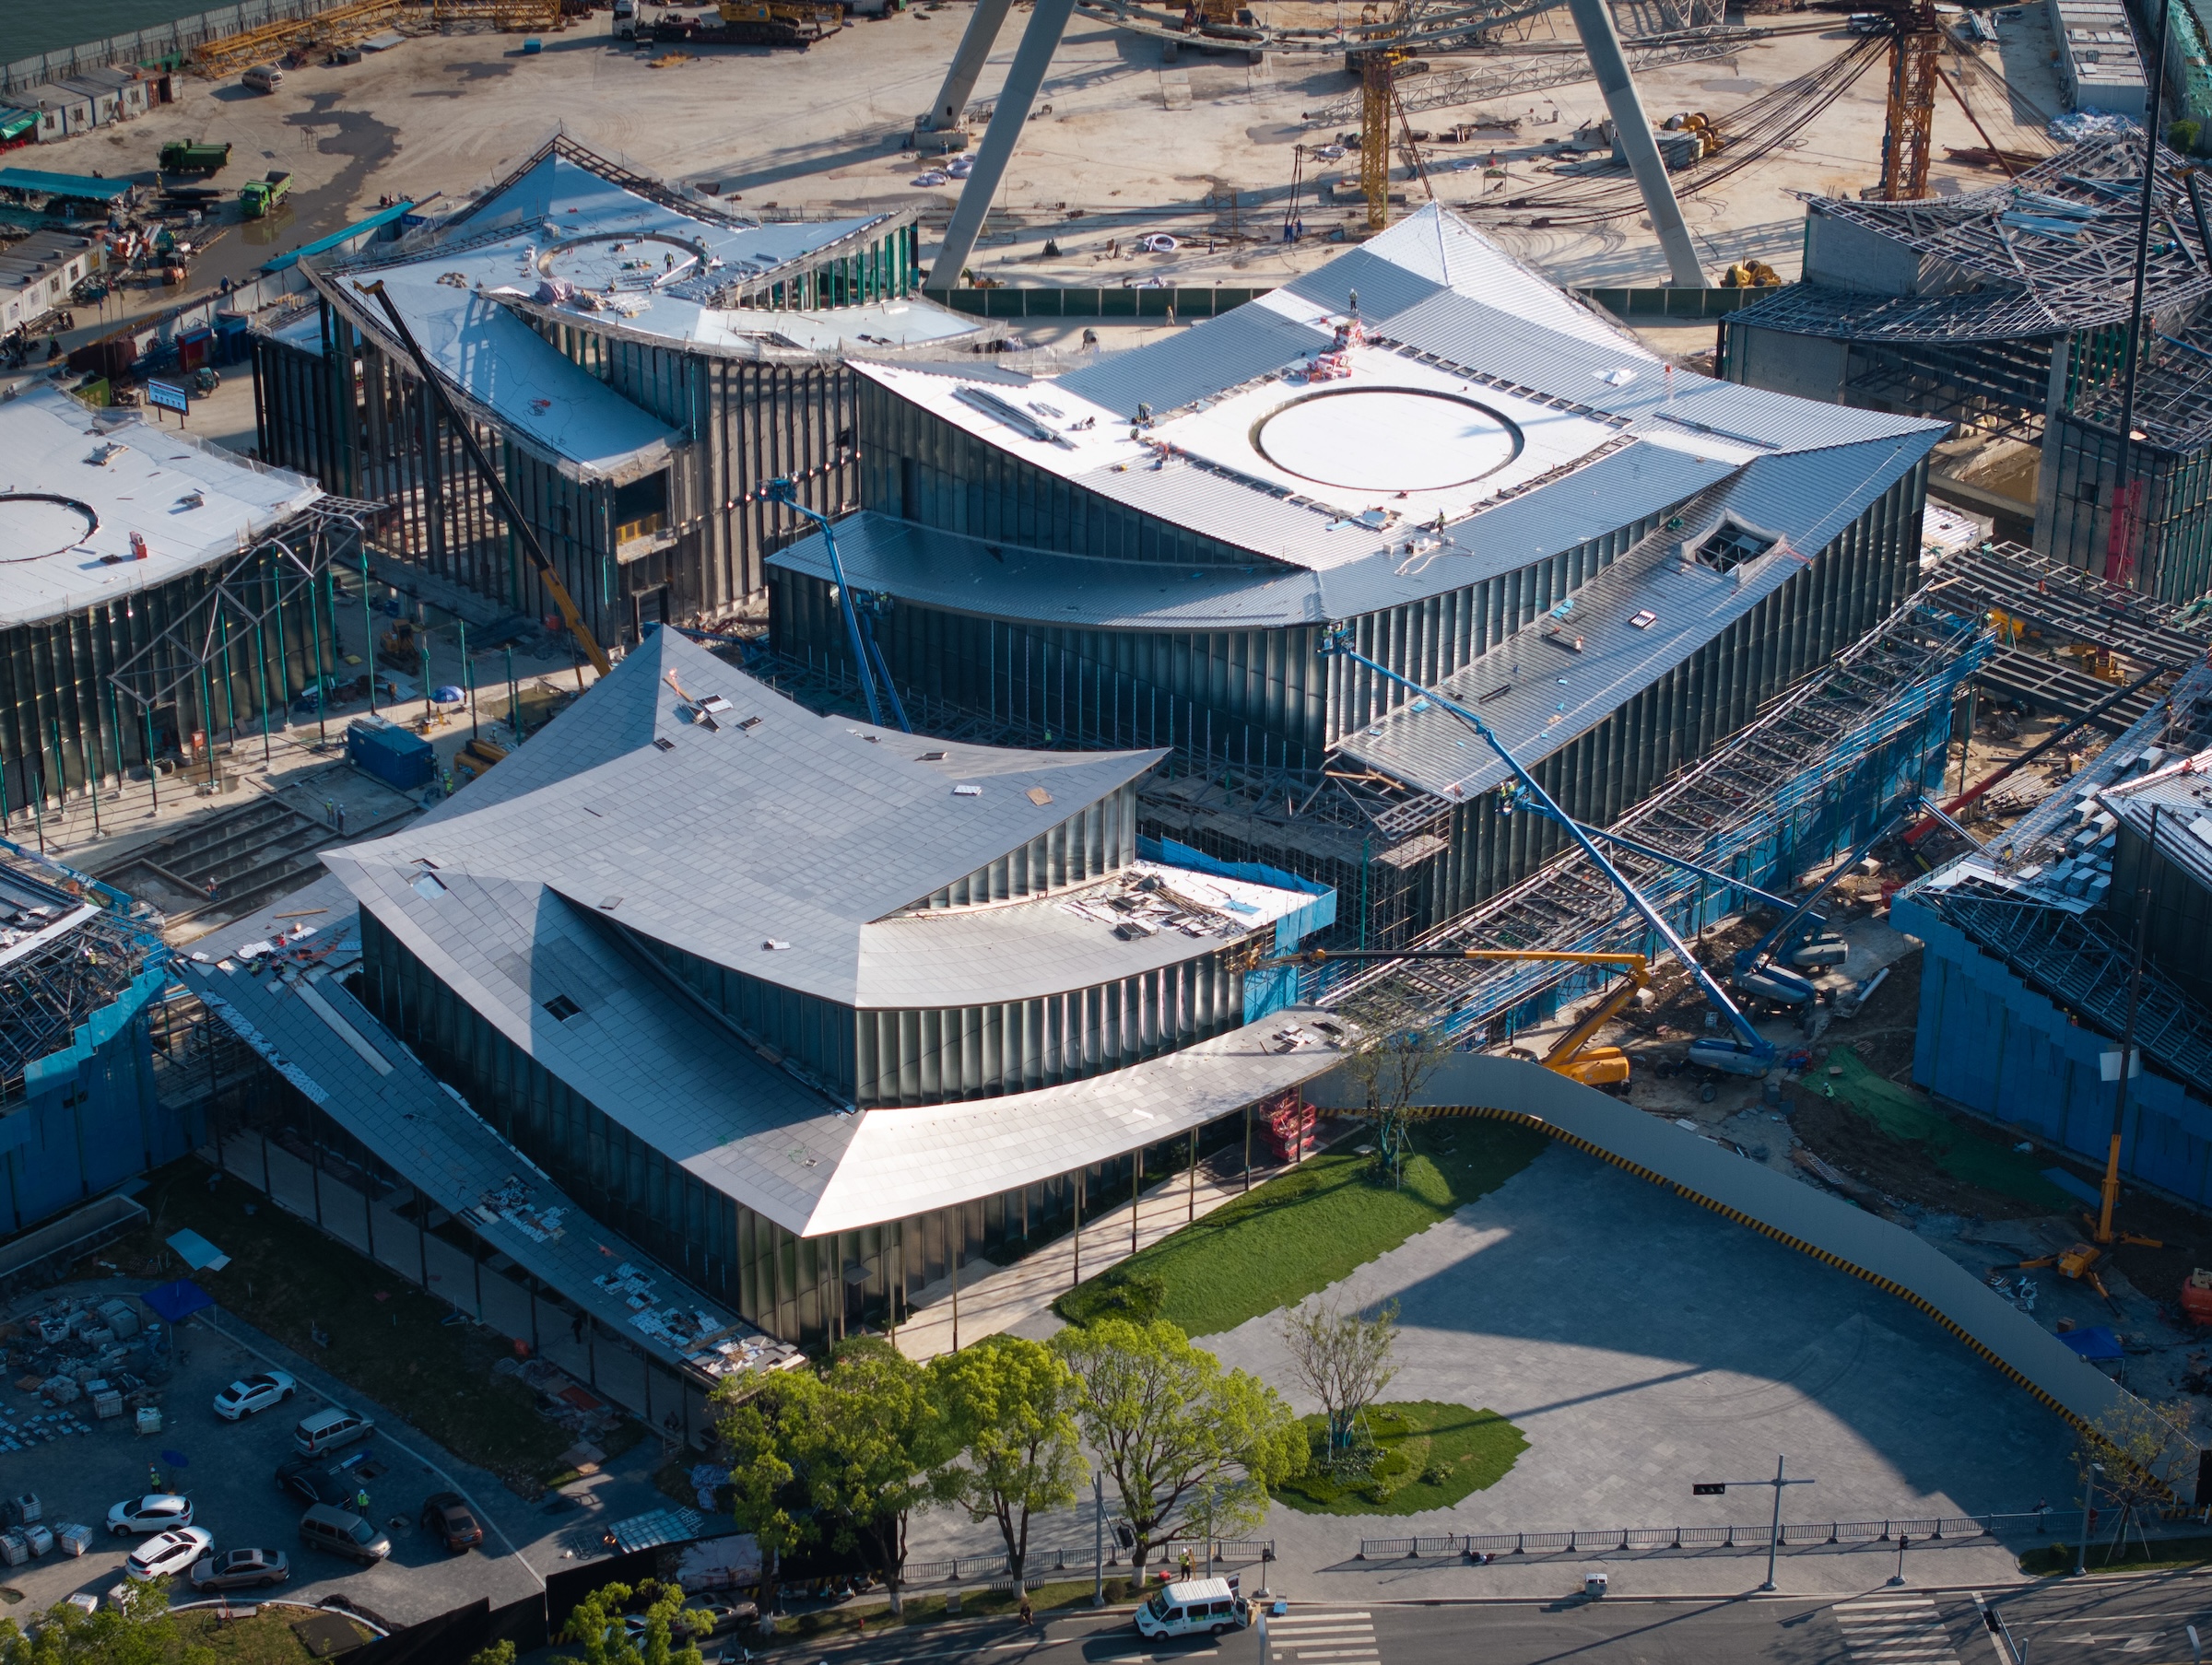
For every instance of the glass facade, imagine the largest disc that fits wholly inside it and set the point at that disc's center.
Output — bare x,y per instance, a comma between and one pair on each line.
809,1290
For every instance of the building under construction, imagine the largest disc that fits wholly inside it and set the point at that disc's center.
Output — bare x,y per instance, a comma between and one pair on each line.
2007,310
160,597
79,970
1493,489
639,362
2077,933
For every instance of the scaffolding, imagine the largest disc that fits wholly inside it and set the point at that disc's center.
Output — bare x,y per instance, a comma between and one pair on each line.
1817,772
2069,607
52,984
2083,959
235,627
327,31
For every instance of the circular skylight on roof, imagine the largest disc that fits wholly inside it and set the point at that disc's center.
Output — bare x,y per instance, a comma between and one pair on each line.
619,262
1386,439
35,524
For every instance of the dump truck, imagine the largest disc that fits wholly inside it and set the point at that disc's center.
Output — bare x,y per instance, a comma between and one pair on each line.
194,156
261,197
753,23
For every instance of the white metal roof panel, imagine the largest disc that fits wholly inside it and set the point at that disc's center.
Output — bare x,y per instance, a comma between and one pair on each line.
192,503
1557,695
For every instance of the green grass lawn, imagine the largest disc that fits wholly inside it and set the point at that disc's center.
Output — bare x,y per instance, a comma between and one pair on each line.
267,1638
1433,1455
386,1335
1297,1234
1960,1152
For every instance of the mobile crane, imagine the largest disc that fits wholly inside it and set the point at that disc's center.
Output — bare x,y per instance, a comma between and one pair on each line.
1749,1053
1572,1055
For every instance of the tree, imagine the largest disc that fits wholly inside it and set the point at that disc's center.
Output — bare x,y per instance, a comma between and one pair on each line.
499,1653
1390,1066
596,1625
1341,1357
843,1456
1012,1407
2137,1455
134,1627
1182,1439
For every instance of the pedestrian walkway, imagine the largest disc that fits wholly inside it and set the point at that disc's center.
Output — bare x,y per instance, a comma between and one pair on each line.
1002,1298
1894,1630
1323,1638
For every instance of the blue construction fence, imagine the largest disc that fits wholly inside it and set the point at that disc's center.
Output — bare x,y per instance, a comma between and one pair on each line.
1824,810
1997,1049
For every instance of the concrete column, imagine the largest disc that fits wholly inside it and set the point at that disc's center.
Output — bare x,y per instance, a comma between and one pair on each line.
976,40
1047,22
1593,21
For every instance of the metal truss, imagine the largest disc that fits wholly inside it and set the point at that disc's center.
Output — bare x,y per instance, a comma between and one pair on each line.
48,990
2047,254
250,588
1824,759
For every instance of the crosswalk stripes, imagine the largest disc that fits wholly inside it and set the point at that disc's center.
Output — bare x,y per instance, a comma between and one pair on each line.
1321,1638
1894,1630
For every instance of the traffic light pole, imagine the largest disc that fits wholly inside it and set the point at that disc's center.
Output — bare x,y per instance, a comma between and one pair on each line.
1713,1488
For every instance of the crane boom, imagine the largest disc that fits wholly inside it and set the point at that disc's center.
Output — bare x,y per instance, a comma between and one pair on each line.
517,522
1752,1052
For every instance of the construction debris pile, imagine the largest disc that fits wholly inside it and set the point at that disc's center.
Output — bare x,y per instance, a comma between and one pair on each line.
715,1349
74,1352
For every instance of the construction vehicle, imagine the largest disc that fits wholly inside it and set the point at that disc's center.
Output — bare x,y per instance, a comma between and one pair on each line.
1572,1055
194,156
400,648
1750,275
494,481
751,23
1748,1052
262,197
868,662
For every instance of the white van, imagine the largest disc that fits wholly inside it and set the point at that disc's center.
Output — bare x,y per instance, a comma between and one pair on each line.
1197,1607
263,77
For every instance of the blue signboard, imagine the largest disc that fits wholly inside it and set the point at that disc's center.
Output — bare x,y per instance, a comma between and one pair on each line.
167,395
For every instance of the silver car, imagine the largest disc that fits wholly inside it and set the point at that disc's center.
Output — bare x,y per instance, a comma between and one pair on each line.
241,1569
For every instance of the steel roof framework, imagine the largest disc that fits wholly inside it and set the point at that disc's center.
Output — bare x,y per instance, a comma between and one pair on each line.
1826,757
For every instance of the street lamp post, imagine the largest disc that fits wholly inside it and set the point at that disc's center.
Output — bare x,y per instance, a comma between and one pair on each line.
2088,1498
1896,1579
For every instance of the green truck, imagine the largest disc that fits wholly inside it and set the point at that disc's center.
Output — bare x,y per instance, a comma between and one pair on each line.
261,196
193,156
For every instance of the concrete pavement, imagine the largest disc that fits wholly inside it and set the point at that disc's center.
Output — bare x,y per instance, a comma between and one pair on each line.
1019,1297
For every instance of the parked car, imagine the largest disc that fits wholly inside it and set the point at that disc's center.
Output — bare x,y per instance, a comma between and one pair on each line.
448,1517
253,1393
241,1569
155,1512
316,1480
327,1430
343,1532
165,1554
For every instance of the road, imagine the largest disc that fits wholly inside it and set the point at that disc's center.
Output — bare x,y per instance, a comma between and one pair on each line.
2133,1621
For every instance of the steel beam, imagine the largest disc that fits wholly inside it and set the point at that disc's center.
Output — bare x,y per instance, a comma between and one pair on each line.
1594,21
1047,23
976,40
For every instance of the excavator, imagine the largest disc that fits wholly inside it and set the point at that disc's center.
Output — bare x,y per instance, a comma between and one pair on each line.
1572,1055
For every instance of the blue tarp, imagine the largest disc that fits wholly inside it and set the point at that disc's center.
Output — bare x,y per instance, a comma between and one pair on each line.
178,1301
2098,1343
64,184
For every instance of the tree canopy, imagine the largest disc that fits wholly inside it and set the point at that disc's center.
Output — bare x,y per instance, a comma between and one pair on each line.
1011,1406
1190,1448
